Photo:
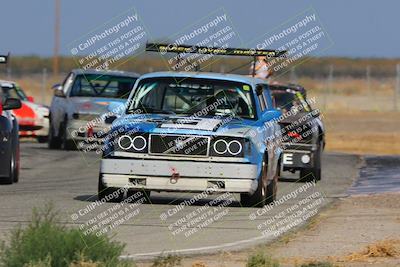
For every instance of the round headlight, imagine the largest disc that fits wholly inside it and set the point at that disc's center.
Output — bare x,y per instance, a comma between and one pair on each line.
234,147
139,143
305,159
125,142
220,146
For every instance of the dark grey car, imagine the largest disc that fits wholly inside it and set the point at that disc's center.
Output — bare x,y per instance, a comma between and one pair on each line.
303,131
9,141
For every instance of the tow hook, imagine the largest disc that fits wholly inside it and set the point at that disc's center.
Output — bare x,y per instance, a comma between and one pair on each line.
174,177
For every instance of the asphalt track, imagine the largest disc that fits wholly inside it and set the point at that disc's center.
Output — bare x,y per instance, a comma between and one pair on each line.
69,181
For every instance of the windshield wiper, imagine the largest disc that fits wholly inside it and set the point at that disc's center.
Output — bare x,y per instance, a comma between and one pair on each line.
148,110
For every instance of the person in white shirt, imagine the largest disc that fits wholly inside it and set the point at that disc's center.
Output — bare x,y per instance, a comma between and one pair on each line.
261,68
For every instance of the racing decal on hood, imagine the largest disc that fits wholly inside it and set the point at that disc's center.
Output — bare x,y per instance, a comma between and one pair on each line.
205,124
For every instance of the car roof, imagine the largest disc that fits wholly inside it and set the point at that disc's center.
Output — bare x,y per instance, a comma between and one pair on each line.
4,83
107,72
205,75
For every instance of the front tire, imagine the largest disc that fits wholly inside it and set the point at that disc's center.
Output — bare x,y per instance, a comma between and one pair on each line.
109,194
42,139
66,144
53,141
15,171
259,197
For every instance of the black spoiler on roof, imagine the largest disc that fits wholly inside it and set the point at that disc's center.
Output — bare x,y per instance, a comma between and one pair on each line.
4,58
193,49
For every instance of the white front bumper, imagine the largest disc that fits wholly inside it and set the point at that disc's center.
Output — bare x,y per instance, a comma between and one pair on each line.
193,176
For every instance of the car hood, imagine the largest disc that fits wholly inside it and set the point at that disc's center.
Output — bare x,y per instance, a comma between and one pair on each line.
30,111
93,105
171,124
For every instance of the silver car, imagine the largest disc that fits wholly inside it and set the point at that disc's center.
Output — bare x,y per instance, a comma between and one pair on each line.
80,104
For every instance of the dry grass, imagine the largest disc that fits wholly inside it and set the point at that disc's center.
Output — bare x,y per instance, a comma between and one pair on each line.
363,132
383,249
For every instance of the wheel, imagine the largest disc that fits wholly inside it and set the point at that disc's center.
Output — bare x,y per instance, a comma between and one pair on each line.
53,141
109,194
259,197
66,144
313,174
145,194
10,178
272,187
42,139
15,171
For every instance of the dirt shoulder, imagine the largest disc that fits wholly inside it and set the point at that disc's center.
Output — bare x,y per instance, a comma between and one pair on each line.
356,231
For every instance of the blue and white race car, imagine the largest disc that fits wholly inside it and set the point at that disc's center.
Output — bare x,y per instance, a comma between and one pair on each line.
191,131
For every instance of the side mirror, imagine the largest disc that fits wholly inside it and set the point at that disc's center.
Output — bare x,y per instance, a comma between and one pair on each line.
316,113
12,103
31,99
58,90
116,108
259,89
270,114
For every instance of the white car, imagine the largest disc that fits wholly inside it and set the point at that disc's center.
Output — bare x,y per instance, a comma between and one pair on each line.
78,106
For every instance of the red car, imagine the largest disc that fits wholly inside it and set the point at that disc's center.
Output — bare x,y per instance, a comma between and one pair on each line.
33,118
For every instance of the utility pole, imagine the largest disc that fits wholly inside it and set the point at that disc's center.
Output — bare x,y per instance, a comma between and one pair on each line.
57,12
397,87
368,74
44,85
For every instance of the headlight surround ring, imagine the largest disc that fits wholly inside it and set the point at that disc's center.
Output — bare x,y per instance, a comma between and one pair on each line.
130,142
141,138
230,150
215,147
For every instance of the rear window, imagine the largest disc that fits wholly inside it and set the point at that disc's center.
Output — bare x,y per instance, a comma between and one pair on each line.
102,86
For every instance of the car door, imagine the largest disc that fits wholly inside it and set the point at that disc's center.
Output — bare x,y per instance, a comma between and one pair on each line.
59,104
273,129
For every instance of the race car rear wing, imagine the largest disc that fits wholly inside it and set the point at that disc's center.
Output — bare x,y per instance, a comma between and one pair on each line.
171,48
193,49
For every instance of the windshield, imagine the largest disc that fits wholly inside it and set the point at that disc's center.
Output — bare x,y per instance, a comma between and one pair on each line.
92,85
14,92
286,100
205,97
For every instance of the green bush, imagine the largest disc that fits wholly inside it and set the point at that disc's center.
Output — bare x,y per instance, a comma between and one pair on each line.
317,264
46,243
167,261
260,259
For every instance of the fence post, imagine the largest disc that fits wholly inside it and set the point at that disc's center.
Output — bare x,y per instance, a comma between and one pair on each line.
8,70
293,76
329,86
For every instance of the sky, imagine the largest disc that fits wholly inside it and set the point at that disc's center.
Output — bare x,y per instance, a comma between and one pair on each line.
356,28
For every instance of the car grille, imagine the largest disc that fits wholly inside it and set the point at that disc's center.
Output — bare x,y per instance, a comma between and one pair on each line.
180,145
291,135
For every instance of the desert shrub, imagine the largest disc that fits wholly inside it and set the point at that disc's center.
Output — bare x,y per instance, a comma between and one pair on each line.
260,259
46,243
167,261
